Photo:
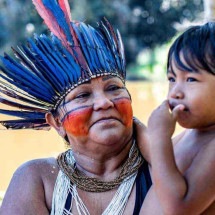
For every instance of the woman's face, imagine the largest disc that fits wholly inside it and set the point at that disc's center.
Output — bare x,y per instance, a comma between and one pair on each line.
99,111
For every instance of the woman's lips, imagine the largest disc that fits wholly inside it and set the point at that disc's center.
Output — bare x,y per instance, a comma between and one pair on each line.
105,120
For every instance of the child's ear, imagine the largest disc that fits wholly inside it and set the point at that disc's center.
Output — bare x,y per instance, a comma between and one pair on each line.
56,124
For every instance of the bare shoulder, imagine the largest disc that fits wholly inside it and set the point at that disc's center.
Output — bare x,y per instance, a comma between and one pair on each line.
31,188
200,178
178,137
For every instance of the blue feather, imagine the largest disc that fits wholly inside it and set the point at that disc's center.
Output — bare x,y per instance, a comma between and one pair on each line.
41,67
91,47
51,56
21,75
26,89
12,93
29,64
50,69
59,58
57,12
37,124
111,42
82,42
23,114
20,106
75,68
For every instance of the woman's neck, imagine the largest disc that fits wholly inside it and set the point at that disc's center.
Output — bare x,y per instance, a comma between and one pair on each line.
103,167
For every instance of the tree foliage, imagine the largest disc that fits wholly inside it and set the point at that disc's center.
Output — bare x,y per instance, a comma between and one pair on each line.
143,24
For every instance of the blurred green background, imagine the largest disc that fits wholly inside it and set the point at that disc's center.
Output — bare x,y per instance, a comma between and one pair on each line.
146,26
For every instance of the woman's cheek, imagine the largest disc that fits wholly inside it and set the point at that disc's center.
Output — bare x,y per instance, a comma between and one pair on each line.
76,123
125,109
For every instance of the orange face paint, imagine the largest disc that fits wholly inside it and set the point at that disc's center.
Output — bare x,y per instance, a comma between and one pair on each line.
76,122
123,105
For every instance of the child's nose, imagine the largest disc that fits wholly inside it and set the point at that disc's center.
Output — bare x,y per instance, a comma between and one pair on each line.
176,92
102,102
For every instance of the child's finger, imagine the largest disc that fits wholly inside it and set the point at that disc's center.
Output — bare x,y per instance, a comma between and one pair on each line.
177,110
164,105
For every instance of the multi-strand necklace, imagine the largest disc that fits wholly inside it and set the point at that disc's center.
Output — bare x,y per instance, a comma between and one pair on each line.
89,184
69,179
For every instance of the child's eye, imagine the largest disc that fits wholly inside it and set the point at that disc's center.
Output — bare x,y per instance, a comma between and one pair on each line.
191,79
171,79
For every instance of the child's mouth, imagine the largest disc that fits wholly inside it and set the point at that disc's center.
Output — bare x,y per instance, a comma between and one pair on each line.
172,106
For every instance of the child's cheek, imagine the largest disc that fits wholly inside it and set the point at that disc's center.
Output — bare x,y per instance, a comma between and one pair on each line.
124,108
76,123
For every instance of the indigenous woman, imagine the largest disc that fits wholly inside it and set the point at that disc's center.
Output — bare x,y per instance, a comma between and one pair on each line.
75,83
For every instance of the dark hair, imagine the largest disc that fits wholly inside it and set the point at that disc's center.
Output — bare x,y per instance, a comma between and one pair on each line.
61,110
197,48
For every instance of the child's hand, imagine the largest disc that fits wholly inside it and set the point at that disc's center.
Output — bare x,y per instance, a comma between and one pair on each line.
162,121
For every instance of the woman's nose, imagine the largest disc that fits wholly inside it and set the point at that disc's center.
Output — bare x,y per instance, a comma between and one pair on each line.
176,92
102,102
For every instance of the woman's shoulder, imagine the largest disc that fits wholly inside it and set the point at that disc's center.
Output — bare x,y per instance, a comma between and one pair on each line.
37,162
38,167
31,188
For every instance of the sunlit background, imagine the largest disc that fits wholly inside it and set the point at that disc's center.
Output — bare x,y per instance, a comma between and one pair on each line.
147,28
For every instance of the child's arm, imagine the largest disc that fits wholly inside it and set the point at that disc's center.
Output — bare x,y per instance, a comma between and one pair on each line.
190,193
140,134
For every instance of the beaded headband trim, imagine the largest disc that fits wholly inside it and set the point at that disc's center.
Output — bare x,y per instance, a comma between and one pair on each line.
48,68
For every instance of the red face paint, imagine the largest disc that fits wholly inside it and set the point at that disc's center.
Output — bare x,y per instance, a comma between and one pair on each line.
125,110
76,122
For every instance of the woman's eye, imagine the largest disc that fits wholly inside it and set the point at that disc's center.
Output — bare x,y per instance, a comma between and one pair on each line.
171,79
82,95
114,87
191,79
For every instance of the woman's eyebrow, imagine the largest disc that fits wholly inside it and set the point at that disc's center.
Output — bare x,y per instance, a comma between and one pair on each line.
107,77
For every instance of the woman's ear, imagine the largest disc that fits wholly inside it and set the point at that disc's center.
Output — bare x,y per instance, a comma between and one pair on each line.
128,93
56,124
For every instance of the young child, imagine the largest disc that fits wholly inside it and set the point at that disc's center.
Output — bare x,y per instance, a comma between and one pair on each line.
183,169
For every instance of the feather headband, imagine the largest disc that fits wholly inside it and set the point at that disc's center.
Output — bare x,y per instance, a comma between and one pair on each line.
48,68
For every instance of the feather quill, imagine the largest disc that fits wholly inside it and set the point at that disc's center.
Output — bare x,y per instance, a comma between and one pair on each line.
37,124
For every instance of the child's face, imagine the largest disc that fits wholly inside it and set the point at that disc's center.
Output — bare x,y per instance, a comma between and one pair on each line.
196,91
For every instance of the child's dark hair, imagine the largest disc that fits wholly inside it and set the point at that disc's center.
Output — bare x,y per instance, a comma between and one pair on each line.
196,47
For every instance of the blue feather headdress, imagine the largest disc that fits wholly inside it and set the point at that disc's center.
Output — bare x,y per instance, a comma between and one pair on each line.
48,68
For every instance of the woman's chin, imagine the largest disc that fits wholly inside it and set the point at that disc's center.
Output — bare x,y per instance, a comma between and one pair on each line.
110,136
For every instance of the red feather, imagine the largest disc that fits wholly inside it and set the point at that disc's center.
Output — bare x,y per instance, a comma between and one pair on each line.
64,5
50,20
54,27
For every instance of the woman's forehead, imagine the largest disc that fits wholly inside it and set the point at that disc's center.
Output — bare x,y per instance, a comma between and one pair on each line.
102,79
95,81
